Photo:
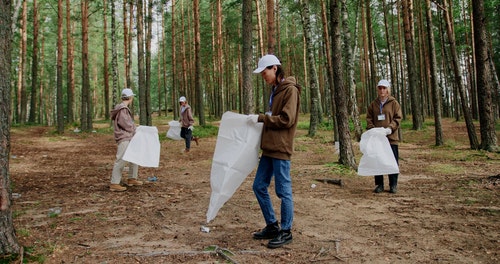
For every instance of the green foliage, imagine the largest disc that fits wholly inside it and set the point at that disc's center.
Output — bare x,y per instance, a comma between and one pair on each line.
206,131
339,169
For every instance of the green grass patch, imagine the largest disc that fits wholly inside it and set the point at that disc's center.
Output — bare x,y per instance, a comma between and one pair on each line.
22,232
443,168
340,169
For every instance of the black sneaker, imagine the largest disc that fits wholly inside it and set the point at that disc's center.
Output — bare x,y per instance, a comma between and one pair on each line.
269,232
394,189
284,237
379,189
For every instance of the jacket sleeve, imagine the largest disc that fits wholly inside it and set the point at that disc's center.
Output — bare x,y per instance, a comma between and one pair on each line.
396,119
369,117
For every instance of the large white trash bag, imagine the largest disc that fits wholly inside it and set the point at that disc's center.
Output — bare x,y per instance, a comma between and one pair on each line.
236,155
144,148
377,158
174,132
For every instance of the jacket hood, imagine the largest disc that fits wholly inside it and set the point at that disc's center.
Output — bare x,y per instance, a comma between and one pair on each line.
117,109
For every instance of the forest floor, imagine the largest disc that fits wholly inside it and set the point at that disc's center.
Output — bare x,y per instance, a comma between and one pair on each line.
447,209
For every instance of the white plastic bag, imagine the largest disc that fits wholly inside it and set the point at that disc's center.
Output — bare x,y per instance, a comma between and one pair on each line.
377,158
174,132
144,148
236,155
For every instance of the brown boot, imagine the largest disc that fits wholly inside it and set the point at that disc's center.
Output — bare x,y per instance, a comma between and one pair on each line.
117,188
195,139
134,182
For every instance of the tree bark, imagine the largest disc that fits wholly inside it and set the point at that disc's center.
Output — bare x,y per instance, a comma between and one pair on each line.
436,93
70,74
351,82
411,65
271,28
8,240
86,111
114,58
174,64
149,27
105,71
246,58
316,111
141,86
59,73
484,84
346,153
197,61
34,65
474,144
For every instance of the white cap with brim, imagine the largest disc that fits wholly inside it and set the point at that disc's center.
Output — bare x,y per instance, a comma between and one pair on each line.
182,99
384,83
127,92
266,61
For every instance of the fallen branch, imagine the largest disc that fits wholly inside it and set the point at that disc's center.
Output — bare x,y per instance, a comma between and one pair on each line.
331,181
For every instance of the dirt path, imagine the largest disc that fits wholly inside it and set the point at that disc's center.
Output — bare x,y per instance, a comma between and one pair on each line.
447,210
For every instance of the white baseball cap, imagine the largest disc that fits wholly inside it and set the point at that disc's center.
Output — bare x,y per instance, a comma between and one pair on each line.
265,61
127,92
182,99
384,83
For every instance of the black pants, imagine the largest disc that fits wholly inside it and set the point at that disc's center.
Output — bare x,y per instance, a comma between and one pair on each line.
393,178
187,135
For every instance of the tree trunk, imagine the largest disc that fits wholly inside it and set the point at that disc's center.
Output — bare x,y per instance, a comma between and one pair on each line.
246,58
126,44
8,240
34,65
474,144
484,84
174,64
220,59
149,19
70,79
141,86
197,61
316,112
351,82
346,153
373,79
114,58
86,115
105,71
271,28
21,79
59,74
411,65
436,94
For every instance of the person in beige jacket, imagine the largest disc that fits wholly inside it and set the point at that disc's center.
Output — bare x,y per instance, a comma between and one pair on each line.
385,112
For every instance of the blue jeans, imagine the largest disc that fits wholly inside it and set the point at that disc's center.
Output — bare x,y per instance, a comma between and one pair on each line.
283,187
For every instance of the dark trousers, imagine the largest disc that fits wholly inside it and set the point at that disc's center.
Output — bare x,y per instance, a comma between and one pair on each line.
393,178
187,135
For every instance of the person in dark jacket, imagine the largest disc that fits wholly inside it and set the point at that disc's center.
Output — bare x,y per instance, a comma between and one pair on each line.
124,130
280,124
385,112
